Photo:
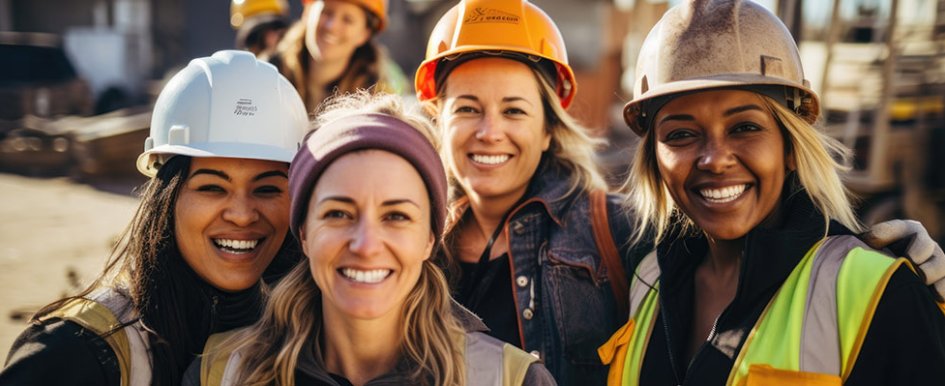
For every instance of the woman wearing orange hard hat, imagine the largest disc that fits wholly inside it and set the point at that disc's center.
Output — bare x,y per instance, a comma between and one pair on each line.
332,49
497,79
259,24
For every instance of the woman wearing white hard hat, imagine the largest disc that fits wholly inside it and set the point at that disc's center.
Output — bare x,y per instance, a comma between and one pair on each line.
758,277
212,218
332,49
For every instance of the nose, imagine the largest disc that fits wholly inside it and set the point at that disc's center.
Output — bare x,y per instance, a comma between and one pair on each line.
241,211
365,240
327,21
716,157
490,129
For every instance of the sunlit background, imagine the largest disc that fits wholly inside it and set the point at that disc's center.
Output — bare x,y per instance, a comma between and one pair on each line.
78,77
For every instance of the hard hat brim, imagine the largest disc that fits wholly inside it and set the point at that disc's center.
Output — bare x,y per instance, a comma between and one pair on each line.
633,110
148,166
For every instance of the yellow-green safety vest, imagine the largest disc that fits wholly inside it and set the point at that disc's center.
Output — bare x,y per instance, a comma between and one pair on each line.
809,333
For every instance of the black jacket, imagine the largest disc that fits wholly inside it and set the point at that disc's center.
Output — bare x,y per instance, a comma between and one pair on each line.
58,352
905,344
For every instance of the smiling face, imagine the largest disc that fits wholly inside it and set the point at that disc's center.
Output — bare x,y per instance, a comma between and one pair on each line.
335,28
494,126
367,237
231,218
722,156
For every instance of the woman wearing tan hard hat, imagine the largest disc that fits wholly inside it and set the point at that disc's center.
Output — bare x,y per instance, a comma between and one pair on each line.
332,49
758,277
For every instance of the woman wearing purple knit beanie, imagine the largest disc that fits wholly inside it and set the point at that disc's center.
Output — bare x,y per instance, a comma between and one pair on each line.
368,208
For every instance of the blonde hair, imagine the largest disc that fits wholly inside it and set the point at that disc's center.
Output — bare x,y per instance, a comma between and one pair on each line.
364,70
817,170
433,339
571,146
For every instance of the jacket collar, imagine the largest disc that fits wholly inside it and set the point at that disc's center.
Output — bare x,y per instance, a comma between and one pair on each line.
548,190
769,257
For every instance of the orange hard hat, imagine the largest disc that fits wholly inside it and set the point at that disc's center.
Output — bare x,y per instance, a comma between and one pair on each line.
497,27
243,10
376,7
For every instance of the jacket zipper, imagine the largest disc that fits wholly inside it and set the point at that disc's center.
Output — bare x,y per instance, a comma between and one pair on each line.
215,300
669,348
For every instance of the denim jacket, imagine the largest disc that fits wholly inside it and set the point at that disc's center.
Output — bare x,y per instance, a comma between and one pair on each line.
565,306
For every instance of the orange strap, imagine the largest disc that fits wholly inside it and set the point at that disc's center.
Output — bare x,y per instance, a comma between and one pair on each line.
608,252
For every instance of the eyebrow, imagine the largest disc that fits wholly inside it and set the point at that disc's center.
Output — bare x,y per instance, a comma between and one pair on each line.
504,100
736,110
271,173
218,173
731,111
223,175
349,200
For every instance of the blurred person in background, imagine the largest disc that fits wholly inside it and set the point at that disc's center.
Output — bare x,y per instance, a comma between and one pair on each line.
259,24
758,277
332,49
370,307
213,220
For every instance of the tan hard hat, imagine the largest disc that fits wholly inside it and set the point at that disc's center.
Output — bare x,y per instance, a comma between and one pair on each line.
709,44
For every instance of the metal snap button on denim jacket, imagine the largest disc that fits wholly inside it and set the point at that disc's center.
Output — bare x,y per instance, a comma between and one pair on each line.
565,307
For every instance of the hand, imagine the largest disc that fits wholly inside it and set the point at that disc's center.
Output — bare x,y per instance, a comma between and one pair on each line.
919,247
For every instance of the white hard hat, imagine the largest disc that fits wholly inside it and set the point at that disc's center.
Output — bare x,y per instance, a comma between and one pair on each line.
706,44
226,105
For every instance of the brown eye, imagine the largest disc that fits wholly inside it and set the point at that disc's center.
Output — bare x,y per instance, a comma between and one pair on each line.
211,188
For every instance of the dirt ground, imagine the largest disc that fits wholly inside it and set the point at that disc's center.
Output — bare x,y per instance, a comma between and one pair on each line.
55,235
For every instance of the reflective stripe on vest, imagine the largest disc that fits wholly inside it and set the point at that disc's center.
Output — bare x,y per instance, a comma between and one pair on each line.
814,325
101,314
489,362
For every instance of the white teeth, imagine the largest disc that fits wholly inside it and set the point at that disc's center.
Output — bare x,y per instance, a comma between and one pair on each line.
490,159
371,277
723,195
236,246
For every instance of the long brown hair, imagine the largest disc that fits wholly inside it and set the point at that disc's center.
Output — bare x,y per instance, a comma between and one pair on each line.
165,293
270,349
364,70
571,149
136,265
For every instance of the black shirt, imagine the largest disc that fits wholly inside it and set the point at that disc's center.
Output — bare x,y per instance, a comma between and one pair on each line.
905,343
491,297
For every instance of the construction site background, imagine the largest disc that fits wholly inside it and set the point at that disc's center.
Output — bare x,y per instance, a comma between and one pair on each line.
72,125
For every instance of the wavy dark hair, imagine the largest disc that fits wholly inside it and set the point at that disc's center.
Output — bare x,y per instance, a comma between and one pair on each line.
147,265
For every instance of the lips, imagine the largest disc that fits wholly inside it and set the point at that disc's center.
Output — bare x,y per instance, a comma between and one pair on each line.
490,159
236,246
370,276
724,194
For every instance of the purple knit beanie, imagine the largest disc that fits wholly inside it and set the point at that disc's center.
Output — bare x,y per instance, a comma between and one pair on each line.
363,132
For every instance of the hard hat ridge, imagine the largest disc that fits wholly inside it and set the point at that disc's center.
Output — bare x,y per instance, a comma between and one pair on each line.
502,27
705,44
227,105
